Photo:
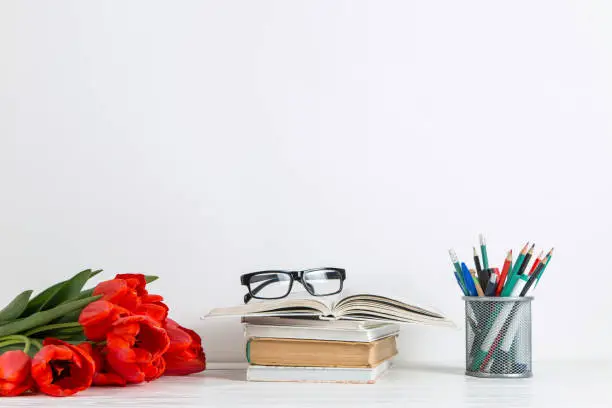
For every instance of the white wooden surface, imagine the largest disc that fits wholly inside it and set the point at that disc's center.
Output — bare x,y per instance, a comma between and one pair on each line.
553,385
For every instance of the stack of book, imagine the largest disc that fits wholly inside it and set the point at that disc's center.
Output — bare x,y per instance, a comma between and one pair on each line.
301,349
349,340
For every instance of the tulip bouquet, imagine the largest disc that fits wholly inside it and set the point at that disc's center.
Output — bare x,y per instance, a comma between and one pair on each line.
68,338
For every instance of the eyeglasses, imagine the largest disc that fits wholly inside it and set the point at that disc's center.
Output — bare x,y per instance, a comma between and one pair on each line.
278,284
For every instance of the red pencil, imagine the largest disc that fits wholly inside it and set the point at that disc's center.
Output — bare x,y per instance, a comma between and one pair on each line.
536,262
504,274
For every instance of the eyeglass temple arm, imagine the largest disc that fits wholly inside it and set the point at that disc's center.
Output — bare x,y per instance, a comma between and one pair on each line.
268,280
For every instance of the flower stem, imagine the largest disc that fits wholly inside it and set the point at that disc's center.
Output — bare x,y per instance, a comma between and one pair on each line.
36,343
51,327
16,339
10,343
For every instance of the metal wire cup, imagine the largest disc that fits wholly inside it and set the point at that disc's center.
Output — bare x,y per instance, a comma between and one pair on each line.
498,336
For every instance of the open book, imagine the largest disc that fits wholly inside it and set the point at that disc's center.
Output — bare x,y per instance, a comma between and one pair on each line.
356,307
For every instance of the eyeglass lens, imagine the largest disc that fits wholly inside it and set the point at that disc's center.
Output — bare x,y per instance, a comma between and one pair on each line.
322,282
270,285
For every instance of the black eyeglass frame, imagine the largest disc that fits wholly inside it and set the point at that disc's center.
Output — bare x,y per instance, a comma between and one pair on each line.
293,276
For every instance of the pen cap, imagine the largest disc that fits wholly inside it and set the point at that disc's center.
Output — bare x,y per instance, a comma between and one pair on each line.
520,284
498,336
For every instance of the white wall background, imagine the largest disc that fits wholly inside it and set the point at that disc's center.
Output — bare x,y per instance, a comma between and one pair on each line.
198,140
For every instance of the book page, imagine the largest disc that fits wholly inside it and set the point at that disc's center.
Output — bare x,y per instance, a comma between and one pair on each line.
372,307
383,301
281,307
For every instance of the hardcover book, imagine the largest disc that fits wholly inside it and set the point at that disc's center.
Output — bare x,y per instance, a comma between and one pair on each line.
319,353
317,374
329,331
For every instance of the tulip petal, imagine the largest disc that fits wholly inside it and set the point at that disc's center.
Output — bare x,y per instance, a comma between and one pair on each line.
149,298
179,338
133,345
61,369
121,360
156,311
98,317
136,280
155,370
102,379
14,366
14,373
185,354
119,292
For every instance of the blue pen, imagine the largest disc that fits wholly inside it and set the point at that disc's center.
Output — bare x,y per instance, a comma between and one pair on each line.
469,281
460,284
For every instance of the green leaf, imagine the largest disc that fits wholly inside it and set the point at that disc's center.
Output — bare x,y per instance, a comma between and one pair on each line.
72,316
77,336
44,317
52,327
14,309
35,304
151,278
85,293
71,330
69,290
44,300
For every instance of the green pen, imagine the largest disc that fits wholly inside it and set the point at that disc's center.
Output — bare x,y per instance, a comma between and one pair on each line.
455,261
513,276
483,250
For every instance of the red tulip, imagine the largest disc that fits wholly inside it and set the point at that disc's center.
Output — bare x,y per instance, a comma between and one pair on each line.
133,346
61,369
15,376
156,369
120,292
98,317
128,291
150,305
185,354
156,310
136,281
103,375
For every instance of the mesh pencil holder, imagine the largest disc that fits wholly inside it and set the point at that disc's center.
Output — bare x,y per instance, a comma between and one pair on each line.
498,336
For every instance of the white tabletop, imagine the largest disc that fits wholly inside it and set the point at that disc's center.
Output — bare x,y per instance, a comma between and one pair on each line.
553,385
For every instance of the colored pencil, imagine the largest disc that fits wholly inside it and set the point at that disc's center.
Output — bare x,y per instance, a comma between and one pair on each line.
535,276
468,281
460,282
483,278
476,260
476,283
536,262
545,262
483,250
504,273
513,275
526,260
455,261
